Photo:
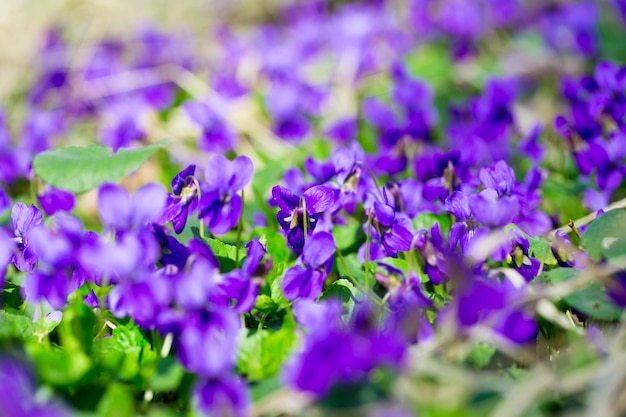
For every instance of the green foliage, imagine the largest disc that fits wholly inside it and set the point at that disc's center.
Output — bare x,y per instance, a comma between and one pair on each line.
605,237
262,354
540,250
117,402
80,169
591,300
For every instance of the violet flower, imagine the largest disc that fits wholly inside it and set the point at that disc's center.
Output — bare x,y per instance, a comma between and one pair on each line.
482,209
306,280
208,342
19,398
120,211
484,303
298,215
220,206
390,232
336,353
217,135
24,219
57,274
53,200
182,200
241,286
226,395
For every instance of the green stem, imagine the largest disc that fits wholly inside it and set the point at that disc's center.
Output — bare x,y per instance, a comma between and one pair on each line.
355,281
367,168
305,222
239,230
199,193
367,249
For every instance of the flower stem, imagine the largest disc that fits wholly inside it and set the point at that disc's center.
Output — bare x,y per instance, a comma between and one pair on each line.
239,230
367,168
199,193
355,281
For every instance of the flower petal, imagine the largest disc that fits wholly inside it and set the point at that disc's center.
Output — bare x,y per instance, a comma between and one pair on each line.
457,204
319,198
285,199
318,249
24,217
218,173
243,169
148,203
114,205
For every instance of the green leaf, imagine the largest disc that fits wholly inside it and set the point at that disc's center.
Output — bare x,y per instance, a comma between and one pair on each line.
427,220
262,354
168,375
348,236
605,237
126,352
540,250
264,388
276,290
80,169
60,367
345,291
13,326
117,401
481,354
275,242
591,300
354,267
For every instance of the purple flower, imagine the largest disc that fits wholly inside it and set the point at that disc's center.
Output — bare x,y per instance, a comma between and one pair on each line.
208,342
54,199
220,206
335,353
241,286
482,209
482,302
123,125
499,177
24,219
298,214
307,280
217,135
19,398
182,199
55,247
224,396
119,211
390,233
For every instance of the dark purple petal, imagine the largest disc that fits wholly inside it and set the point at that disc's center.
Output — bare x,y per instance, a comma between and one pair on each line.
225,216
457,205
517,327
318,249
56,200
399,238
179,179
384,214
319,198
292,281
285,199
